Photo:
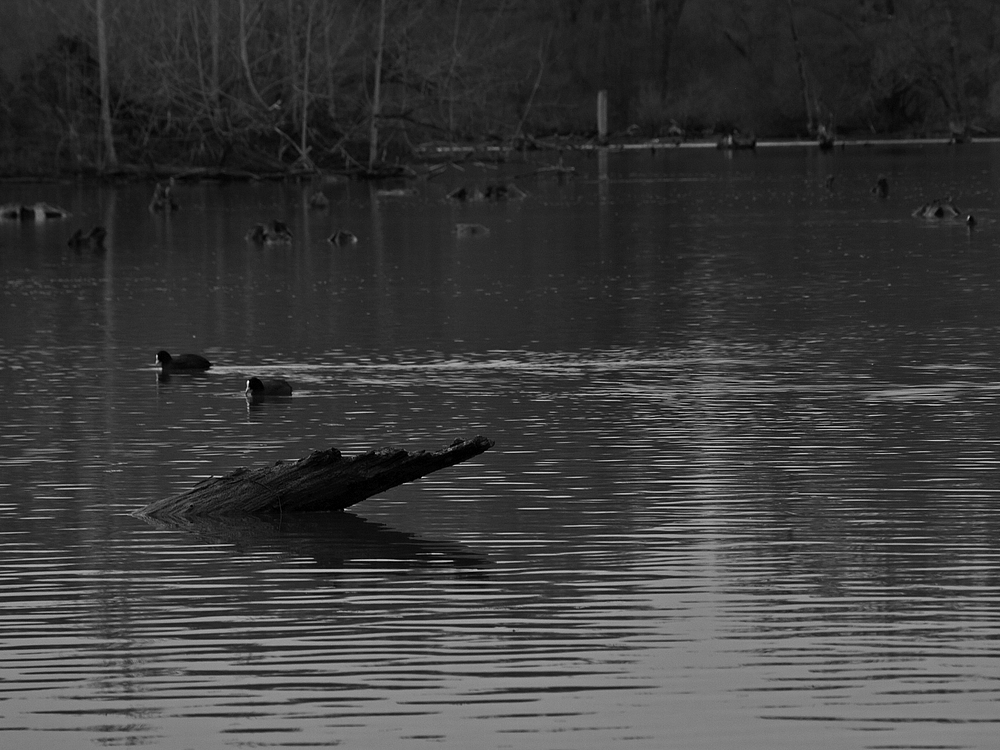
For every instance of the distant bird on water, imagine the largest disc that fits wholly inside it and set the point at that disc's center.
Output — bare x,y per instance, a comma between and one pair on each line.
181,363
471,230
260,390
938,209
94,238
881,189
277,234
342,237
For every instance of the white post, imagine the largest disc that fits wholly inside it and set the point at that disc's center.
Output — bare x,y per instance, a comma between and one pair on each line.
602,116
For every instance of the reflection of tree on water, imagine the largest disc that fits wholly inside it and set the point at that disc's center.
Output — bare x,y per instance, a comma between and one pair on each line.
330,539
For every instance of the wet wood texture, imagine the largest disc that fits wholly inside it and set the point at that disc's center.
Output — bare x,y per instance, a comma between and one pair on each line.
324,480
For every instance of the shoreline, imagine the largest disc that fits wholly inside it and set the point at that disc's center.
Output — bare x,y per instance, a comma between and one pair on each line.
434,157
663,143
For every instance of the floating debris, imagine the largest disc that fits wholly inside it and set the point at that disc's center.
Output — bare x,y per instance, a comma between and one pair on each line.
396,192
342,237
34,212
94,238
497,192
471,230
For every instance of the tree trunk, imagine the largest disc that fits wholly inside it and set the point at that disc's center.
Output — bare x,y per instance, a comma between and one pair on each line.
666,17
450,85
800,62
377,93
324,480
109,157
306,55
245,55
534,89
955,63
214,41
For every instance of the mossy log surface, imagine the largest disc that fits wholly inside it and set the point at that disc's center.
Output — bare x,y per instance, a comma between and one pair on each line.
324,480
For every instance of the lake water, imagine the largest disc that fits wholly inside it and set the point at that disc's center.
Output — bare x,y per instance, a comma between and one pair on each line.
744,492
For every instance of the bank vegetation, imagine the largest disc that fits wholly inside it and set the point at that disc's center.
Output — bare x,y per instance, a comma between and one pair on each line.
95,86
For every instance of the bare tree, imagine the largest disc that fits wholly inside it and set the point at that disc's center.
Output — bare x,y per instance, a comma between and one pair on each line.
377,89
665,18
800,65
110,157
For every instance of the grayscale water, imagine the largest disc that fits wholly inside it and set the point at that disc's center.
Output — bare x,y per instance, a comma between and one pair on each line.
744,492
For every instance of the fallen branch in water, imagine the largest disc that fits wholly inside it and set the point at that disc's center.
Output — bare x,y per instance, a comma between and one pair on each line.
324,480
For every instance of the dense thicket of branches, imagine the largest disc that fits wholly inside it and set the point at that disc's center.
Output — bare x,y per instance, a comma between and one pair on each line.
283,81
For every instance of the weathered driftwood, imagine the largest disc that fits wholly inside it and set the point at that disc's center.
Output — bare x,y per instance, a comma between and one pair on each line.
324,480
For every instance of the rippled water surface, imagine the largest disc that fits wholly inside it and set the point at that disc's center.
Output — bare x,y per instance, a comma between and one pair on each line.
744,492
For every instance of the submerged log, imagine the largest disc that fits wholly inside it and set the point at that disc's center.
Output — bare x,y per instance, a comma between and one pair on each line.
324,480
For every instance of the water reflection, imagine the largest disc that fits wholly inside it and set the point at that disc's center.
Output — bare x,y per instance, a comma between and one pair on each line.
333,541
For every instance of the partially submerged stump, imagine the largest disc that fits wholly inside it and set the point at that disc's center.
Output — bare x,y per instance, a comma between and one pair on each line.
324,480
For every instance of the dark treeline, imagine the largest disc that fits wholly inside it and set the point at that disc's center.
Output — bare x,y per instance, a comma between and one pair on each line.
269,84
